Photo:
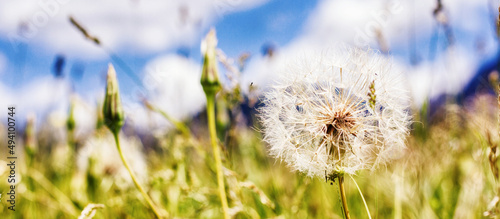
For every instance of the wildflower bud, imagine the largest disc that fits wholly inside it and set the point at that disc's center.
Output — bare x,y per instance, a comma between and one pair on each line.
70,122
209,75
31,142
112,109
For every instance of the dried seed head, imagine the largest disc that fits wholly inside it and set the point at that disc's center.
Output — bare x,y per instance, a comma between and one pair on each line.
90,210
112,108
319,119
371,95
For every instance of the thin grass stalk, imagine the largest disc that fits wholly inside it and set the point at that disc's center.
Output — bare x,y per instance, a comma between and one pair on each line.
495,167
65,202
178,124
143,192
362,197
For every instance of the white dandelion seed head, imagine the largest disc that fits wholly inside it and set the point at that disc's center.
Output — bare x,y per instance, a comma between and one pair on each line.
317,117
102,151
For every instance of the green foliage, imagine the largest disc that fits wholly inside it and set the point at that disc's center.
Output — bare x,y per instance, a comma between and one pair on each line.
445,173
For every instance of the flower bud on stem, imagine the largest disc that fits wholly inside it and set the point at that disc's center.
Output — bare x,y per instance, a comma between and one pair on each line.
112,109
114,118
211,85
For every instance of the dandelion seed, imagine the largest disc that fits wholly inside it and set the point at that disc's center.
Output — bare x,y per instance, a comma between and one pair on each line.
319,119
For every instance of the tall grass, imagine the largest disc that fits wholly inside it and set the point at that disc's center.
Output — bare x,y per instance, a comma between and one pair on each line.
447,171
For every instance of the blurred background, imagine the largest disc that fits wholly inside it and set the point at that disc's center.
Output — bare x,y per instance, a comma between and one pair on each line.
440,45
53,62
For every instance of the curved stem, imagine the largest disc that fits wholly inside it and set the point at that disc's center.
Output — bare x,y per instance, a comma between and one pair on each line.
362,197
216,150
144,194
178,124
342,197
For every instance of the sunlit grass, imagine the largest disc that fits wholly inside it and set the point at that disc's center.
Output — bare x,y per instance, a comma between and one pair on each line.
446,171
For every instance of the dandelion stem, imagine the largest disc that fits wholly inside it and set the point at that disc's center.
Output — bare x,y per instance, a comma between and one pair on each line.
342,197
144,194
216,150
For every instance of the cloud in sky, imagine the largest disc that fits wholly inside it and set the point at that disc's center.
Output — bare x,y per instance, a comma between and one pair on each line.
3,63
42,96
172,84
144,27
141,26
354,21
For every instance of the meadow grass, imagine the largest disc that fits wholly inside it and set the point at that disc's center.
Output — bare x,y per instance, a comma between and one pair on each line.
444,173
447,170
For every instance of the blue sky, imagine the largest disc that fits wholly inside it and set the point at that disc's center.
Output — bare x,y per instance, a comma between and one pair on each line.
275,22
157,32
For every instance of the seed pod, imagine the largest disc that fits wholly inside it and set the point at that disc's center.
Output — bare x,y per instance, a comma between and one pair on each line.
210,75
112,108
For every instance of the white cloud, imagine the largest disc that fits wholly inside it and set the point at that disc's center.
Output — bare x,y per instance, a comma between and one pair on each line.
42,96
352,22
447,75
173,84
3,63
5,101
144,26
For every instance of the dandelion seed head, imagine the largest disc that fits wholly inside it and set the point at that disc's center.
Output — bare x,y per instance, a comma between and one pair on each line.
100,156
337,112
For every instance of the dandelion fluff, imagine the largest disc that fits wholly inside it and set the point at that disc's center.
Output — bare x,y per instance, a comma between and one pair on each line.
100,149
336,112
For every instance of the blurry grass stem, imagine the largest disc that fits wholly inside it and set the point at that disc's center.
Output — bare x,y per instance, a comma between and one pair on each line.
211,85
31,147
178,124
112,55
61,198
70,126
114,119
362,197
498,23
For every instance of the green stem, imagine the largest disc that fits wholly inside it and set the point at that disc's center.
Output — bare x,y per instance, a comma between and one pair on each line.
65,202
179,125
342,197
216,150
144,194
362,197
